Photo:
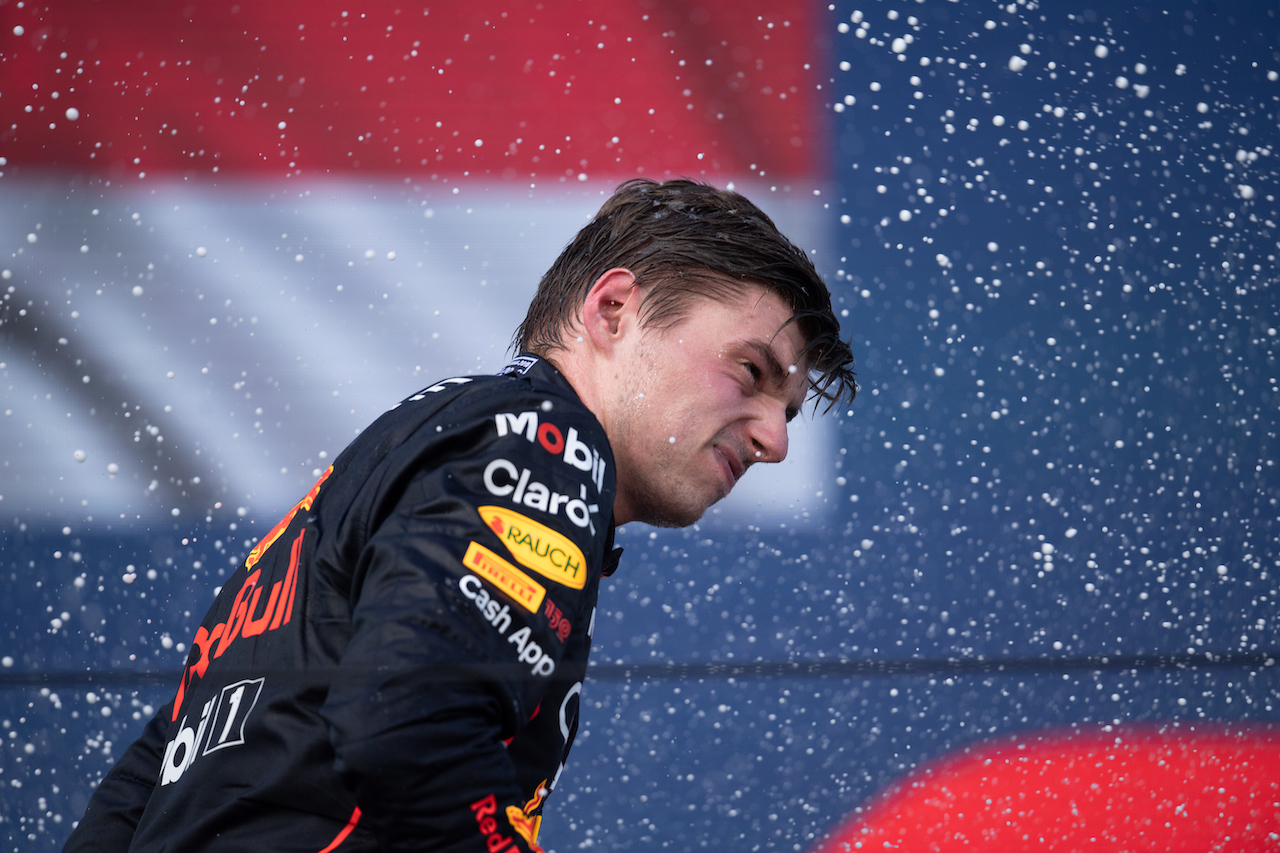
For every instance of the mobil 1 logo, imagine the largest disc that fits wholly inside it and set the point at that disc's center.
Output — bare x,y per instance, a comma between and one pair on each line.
234,705
221,724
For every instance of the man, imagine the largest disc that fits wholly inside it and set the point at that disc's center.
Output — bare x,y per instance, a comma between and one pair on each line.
397,664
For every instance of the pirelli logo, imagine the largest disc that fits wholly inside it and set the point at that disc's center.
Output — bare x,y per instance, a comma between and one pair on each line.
537,546
515,584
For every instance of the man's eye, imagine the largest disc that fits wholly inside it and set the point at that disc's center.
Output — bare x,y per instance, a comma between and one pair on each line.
755,372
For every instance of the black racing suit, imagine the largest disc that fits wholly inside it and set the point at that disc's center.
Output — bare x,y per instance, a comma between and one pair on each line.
397,665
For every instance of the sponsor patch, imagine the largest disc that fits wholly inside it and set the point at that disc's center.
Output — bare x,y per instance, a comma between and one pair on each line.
537,546
223,719
244,619
518,586
527,650
527,826
571,449
502,478
557,621
519,366
484,811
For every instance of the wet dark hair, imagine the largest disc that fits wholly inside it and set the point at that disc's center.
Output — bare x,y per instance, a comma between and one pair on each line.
681,240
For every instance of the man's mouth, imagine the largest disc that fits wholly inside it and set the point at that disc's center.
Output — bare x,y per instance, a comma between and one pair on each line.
732,462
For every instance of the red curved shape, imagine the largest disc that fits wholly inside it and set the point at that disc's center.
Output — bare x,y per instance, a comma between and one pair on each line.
1123,788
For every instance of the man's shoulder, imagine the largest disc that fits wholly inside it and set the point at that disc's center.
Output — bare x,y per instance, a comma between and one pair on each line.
523,437
527,383
529,398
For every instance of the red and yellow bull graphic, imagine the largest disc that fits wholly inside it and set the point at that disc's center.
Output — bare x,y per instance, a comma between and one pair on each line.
485,811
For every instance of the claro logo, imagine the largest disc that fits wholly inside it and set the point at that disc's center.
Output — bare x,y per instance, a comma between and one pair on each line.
503,478
569,447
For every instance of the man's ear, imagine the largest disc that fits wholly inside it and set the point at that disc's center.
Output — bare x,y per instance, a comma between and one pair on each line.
612,308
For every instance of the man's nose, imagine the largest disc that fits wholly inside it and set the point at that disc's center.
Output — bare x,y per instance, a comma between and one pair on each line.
769,434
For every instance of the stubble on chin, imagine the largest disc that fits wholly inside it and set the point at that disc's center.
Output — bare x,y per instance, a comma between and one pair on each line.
660,494
658,512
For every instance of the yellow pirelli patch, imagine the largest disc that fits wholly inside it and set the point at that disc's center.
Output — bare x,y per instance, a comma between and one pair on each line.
537,546
512,582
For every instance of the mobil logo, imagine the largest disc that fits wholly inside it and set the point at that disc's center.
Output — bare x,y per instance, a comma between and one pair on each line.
567,446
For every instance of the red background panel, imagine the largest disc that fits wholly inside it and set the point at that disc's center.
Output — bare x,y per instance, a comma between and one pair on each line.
1123,788
721,86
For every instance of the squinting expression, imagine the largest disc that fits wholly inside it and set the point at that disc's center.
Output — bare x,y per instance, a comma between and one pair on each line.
703,401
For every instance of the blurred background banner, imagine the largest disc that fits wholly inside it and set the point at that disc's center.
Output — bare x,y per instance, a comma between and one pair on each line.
233,234
264,225
515,91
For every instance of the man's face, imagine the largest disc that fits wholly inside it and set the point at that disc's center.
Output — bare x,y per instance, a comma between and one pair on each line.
700,402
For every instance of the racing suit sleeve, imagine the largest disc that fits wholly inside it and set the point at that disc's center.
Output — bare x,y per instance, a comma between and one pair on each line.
116,806
424,751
